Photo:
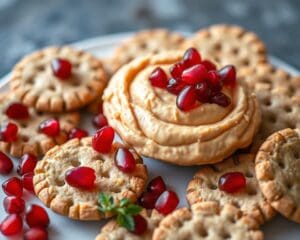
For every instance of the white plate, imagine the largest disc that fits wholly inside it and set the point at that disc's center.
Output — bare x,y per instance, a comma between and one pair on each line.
62,228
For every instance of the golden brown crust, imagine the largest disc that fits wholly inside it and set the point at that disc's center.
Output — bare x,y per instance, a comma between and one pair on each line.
207,219
33,82
54,192
250,201
277,167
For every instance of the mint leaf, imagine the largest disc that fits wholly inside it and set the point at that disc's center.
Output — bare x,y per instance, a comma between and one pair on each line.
133,209
126,221
106,203
124,202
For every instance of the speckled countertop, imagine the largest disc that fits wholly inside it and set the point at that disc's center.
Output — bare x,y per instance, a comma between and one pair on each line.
26,25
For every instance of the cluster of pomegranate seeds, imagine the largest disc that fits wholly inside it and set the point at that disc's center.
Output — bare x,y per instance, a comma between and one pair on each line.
61,68
13,187
193,79
77,133
50,127
81,177
232,182
27,165
13,204
103,139
17,111
8,132
125,160
6,164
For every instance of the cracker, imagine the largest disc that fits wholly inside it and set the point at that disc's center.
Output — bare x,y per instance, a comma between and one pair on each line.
228,44
251,202
34,83
30,139
207,220
277,167
112,231
54,192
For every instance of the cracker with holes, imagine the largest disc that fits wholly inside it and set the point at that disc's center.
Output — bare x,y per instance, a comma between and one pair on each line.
277,166
70,178
112,231
228,44
24,130
207,220
58,79
232,181
143,43
279,95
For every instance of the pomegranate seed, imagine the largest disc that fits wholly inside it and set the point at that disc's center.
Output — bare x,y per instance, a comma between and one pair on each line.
8,132
102,140
124,160
140,225
166,202
28,163
100,108
50,127
194,74
13,204
186,99
148,200
61,68
214,81
36,233
11,225
228,75
175,86
232,182
209,65
77,133
13,187
27,179
36,216
220,99
176,70
157,185
81,177
158,78
203,92
191,57
17,111
100,121
6,164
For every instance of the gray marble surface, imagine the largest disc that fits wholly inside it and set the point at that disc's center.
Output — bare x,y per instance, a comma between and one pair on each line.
26,25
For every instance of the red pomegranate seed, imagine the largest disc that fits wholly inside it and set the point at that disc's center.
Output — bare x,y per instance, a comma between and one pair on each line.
102,140
148,200
203,92
100,121
186,99
194,74
61,68
214,81
36,216
191,57
11,225
209,65
77,133
8,132
175,86
50,127
220,99
158,78
100,107
140,225
13,204
176,70
232,182
167,202
6,164
27,179
28,163
228,75
157,185
17,111
81,177
124,160
36,233
13,187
